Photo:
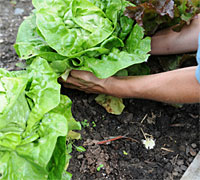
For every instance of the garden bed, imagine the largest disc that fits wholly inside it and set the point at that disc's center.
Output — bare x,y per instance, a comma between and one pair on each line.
176,130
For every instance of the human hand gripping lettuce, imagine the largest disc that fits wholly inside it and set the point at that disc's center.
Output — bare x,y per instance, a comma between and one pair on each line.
34,118
83,34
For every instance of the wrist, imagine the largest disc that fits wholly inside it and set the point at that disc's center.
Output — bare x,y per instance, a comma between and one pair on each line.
108,86
121,87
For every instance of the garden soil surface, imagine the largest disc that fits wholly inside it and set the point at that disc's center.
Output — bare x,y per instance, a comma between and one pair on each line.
175,130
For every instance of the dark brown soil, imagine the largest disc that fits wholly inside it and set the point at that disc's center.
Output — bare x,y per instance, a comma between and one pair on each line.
176,130
11,16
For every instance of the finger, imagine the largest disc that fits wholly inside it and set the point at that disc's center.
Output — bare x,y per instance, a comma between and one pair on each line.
70,79
66,85
70,86
73,81
83,75
61,80
79,82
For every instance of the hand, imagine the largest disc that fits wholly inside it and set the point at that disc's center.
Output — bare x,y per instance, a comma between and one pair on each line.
87,82
178,86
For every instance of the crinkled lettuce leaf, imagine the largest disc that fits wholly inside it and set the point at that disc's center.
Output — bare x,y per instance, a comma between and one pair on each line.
29,42
34,124
64,108
84,34
83,26
44,91
31,159
13,102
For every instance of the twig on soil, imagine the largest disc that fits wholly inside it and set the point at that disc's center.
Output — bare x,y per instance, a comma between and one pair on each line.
109,140
166,149
134,140
177,125
116,138
175,159
144,118
144,134
151,120
82,165
194,116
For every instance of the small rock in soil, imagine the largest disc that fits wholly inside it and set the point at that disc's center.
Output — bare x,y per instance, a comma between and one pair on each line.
134,161
180,162
183,167
157,134
168,167
193,152
182,148
190,159
163,123
178,169
175,173
19,11
80,156
187,151
193,145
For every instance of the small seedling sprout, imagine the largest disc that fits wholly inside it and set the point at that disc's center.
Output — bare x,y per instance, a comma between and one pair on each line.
100,167
94,124
85,123
125,153
80,148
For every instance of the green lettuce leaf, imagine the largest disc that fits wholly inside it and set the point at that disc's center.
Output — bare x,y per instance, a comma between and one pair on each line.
64,108
11,97
44,91
29,42
34,107
32,159
86,35
83,26
135,52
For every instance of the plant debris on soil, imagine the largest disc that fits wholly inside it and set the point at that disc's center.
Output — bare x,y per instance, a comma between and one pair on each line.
175,130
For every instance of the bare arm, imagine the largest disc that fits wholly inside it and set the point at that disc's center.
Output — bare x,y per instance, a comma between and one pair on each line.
179,86
170,42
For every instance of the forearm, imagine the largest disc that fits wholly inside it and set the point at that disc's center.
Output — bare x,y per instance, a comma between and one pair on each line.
179,86
171,42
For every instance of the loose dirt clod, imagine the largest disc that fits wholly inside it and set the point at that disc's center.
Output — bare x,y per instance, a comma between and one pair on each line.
95,157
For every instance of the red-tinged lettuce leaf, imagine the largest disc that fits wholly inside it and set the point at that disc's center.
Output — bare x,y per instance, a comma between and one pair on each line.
154,14
187,10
